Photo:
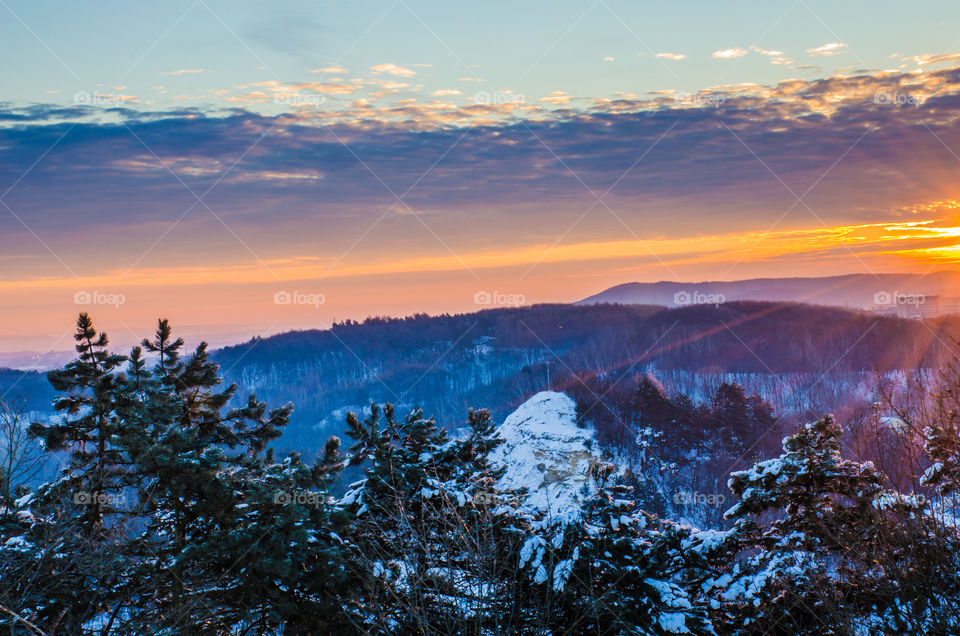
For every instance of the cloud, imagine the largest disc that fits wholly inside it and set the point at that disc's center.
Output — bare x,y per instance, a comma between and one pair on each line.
609,59
185,71
672,56
831,48
293,170
776,57
393,69
332,68
446,91
392,84
559,98
297,94
924,60
729,53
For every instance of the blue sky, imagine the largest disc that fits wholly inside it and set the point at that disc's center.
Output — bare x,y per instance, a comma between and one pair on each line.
531,50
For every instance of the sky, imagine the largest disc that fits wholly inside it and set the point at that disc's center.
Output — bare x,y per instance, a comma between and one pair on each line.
247,168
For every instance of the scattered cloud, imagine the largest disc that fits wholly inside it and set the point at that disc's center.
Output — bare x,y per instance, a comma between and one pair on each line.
609,59
729,53
393,69
444,92
831,48
185,71
558,98
332,68
776,57
924,60
672,56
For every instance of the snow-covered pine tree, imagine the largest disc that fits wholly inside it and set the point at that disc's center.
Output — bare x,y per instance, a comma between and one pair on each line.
428,522
802,518
480,555
280,562
615,570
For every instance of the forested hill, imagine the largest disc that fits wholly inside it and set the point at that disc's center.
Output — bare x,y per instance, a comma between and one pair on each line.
27,388
499,357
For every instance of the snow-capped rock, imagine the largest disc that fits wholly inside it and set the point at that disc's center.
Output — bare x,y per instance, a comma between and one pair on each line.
547,453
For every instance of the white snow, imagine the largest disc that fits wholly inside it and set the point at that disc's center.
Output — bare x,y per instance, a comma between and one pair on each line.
547,453
18,543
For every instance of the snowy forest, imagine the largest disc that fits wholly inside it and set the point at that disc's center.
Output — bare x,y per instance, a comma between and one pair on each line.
497,358
612,507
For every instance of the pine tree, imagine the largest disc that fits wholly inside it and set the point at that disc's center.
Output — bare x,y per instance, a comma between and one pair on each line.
731,417
68,553
280,562
822,509
761,417
94,476
616,570
195,460
655,411
428,520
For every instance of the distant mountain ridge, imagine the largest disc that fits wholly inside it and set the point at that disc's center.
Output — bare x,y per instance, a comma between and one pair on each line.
861,291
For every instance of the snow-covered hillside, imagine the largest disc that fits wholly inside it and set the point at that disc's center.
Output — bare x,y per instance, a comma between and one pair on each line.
547,453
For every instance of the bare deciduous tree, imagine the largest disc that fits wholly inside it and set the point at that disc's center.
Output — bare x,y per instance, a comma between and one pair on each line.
21,457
